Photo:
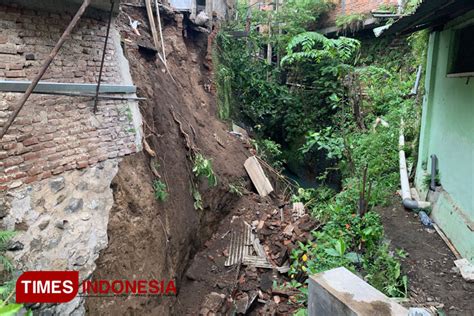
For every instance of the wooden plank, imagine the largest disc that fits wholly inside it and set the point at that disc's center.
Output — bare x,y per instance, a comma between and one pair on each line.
54,87
258,177
151,20
447,241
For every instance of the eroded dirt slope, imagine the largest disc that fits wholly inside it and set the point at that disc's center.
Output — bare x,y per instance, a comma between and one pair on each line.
147,238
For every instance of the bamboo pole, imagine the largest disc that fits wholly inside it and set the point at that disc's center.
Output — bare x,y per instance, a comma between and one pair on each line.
161,31
45,66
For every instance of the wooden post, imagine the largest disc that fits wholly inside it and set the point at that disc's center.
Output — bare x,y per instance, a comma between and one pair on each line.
45,66
151,20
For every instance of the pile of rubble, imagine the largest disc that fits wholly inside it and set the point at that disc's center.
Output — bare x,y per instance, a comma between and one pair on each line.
259,243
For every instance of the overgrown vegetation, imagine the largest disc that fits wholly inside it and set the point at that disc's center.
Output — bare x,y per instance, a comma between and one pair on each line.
323,100
350,22
160,189
203,167
7,289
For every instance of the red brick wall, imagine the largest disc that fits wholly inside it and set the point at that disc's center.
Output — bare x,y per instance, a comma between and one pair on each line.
346,7
57,133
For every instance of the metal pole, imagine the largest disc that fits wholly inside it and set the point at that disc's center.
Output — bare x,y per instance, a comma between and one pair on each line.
112,2
45,66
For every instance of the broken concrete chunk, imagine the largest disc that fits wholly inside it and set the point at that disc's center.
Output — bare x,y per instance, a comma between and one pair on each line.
212,303
242,303
239,131
418,311
298,210
466,268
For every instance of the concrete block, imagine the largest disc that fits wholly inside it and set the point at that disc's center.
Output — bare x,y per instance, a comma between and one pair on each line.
340,292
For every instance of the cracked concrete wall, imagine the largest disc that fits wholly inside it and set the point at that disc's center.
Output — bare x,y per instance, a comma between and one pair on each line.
61,224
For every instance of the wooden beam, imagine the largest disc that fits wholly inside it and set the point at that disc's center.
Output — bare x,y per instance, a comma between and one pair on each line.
47,87
45,67
151,20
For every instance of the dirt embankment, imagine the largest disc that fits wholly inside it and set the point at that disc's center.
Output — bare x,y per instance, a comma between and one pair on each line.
151,239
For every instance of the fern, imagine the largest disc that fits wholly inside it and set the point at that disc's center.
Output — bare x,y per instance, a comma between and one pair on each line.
5,236
313,46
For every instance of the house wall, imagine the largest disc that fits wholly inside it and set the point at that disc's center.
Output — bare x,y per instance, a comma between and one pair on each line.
347,7
53,134
448,132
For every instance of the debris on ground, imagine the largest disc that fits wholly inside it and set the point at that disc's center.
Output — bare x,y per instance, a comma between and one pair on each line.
250,254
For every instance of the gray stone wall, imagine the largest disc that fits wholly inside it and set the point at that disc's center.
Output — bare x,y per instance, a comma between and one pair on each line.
61,222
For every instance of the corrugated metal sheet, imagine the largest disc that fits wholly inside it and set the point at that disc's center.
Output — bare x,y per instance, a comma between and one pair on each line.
430,13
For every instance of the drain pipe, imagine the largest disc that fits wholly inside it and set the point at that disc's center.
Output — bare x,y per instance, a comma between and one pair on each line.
434,165
408,202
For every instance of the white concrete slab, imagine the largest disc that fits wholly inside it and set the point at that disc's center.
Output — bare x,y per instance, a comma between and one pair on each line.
340,292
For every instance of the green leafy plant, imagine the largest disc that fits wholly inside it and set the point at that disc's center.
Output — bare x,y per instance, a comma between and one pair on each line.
203,167
325,140
197,200
5,236
270,151
7,289
236,189
161,192
315,46
351,22
427,179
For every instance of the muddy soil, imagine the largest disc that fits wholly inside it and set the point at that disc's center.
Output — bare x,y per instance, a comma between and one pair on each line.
433,278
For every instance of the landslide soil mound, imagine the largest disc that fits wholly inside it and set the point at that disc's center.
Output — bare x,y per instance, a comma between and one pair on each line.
154,239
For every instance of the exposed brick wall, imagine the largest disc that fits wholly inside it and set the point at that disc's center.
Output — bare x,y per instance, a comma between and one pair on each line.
346,7
57,133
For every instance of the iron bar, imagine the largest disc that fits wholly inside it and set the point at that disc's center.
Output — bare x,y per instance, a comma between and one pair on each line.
45,66
89,95
112,3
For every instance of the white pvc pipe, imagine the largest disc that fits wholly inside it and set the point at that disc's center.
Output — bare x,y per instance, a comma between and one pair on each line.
408,202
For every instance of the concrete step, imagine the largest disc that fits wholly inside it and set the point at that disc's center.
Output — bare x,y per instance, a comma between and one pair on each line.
342,293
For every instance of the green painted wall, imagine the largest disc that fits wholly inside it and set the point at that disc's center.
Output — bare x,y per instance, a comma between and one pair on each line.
448,132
